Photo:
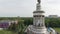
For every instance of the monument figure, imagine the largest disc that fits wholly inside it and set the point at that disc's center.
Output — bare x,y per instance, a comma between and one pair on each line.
38,1
38,7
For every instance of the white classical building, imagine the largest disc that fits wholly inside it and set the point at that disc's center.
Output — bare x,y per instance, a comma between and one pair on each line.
53,16
38,26
4,24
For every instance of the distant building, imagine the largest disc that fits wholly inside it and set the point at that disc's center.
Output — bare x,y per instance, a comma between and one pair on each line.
53,16
4,24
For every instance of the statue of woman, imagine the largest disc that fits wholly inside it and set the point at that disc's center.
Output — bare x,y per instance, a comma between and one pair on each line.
39,1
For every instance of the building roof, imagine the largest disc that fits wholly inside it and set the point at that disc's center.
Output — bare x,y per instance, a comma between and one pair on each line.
38,12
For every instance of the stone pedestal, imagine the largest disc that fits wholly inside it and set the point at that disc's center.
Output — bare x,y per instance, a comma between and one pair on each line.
35,30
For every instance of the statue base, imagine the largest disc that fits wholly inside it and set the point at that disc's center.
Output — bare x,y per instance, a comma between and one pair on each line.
32,30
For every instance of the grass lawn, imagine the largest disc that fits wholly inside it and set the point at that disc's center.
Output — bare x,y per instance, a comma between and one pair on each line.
6,32
57,30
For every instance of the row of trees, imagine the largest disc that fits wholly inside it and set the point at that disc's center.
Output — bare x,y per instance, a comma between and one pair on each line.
52,22
18,28
49,22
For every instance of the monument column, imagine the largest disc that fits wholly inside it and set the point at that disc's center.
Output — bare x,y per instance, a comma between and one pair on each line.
38,16
38,26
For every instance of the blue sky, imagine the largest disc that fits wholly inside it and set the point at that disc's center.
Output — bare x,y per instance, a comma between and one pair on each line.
24,8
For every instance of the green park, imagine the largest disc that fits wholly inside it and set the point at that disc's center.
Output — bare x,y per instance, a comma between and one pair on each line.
23,23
